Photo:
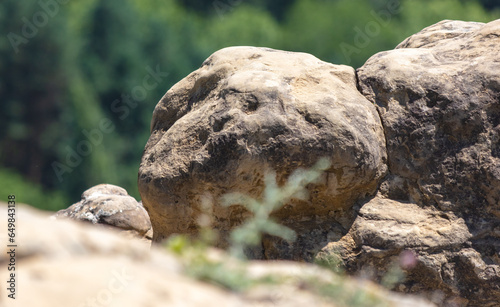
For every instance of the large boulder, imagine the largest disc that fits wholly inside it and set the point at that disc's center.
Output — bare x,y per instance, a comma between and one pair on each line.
110,205
438,95
249,111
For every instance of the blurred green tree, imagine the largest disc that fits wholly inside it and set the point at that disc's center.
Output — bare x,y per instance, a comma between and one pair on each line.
417,15
245,25
276,8
32,87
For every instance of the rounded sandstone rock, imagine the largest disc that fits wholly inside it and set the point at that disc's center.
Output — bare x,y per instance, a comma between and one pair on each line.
248,111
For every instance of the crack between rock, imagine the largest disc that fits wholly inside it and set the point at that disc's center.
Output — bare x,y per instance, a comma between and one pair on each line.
358,87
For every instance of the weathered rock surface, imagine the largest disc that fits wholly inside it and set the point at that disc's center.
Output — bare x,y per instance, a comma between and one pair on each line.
248,111
438,95
65,263
110,205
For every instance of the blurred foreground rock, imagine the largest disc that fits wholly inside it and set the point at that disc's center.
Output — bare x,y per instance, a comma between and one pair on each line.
62,263
110,205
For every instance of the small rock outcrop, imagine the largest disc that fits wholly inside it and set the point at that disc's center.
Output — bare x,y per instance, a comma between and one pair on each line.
248,111
110,205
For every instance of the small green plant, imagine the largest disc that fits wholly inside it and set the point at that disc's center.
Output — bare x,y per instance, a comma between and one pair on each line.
393,276
345,294
204,262
331,261
229,270
200,263
274,197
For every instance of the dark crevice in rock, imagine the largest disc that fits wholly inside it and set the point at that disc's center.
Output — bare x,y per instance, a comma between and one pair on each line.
360,90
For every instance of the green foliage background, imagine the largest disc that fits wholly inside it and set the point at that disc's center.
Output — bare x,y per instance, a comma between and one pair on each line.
73,72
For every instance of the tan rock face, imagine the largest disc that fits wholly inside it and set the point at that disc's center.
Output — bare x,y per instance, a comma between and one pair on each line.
435,34
387,224
110,205
248,111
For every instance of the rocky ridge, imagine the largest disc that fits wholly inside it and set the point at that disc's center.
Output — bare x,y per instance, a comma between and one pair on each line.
438,95
413,136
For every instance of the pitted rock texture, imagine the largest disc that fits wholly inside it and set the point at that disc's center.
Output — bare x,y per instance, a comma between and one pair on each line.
248,111
439,104
110,205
